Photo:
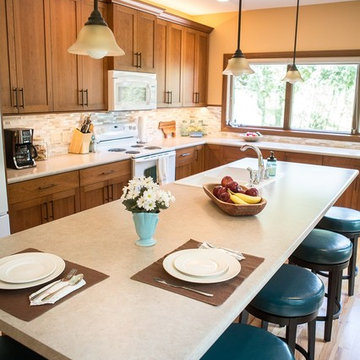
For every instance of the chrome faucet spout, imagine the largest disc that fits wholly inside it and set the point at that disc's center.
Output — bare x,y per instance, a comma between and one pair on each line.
261,167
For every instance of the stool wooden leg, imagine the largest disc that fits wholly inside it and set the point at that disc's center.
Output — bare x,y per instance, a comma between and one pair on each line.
352,267
243,317
311,339
291,335
264,325
334,279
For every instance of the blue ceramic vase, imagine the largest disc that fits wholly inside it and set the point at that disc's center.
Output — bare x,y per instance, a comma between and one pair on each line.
145,225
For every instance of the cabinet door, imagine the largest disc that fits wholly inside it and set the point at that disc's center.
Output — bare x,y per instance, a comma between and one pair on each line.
145,41
123,24
351,197
33,55
213,156
160,54
94,70
7,68
199,163
174,64
190,46
67,72
201,69
63,204
303,158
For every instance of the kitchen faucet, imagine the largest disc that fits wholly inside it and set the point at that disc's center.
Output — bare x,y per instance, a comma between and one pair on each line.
259,175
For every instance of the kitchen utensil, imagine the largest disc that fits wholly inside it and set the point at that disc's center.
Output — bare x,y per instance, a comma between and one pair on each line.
234,209
237,254
161,281
69,275
59,268
73,281
233,270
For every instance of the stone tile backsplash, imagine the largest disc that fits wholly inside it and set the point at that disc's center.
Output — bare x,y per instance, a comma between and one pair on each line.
56,129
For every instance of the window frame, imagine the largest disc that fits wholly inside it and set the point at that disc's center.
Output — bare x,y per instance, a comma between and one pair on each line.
285,130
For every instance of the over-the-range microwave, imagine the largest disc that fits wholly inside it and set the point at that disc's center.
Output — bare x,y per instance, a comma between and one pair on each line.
131,90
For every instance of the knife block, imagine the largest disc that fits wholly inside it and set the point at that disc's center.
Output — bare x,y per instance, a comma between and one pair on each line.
80,142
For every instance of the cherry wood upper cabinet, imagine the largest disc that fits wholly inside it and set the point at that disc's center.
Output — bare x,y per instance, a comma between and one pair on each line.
135,33
26,56
169,49
195,68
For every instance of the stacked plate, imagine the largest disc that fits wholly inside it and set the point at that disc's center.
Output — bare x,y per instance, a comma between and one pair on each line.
25,270
203,266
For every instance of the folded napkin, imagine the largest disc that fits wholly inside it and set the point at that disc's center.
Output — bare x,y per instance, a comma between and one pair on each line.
236,254
61,288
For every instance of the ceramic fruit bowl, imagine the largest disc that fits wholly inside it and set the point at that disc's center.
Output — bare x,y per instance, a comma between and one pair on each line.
251,136
234,209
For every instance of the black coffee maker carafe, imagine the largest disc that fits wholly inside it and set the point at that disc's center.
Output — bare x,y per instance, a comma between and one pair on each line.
20,152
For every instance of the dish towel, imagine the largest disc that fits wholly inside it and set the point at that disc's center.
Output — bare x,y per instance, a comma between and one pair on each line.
60,287
162,170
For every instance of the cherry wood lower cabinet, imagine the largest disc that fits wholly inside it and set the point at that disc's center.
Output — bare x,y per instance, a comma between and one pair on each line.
41,200
189,161
104,183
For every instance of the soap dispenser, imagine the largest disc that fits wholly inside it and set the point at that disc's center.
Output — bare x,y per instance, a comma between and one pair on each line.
271,164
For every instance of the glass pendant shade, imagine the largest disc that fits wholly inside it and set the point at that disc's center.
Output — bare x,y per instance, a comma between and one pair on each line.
237,66
293,75
96,41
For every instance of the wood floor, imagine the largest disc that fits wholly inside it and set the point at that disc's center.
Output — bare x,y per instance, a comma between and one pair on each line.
345,342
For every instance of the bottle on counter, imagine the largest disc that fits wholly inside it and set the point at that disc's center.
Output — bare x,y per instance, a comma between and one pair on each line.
271,164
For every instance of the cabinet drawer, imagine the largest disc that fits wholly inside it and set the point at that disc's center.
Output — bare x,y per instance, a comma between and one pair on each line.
185,156
105,172
32,189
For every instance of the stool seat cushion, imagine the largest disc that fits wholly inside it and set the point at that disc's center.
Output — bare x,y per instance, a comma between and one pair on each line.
12,350
292,292
242,341
340,219
324,247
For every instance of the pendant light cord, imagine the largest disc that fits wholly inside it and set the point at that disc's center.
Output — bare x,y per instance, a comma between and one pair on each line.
296,28
239,25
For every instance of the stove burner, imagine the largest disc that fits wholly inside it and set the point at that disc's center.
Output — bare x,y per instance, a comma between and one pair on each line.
116,150
152,147
137,146
132,152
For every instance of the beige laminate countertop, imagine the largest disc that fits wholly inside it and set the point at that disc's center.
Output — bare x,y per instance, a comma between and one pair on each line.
69,162
120,318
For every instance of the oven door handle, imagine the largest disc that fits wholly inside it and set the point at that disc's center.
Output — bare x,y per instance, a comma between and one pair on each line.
153,157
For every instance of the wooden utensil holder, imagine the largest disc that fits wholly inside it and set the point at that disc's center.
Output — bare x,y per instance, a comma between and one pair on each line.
80,142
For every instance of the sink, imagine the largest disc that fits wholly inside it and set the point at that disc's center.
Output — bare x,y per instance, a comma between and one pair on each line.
239,175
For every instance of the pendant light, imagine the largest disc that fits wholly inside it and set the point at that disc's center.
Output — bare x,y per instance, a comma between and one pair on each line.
95,39
293,75
238,64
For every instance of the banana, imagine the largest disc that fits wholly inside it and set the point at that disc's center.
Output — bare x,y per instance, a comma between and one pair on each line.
247,198
235,199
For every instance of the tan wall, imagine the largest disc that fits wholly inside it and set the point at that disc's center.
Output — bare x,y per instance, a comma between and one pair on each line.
321,27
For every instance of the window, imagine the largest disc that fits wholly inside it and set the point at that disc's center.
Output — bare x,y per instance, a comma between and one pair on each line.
326,102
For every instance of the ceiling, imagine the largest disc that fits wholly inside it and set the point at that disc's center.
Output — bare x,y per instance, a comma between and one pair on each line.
202,7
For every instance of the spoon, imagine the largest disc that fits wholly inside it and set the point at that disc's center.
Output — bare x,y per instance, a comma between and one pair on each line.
73,281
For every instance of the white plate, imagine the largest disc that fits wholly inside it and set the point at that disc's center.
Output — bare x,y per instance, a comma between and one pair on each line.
27,267
59,266
233,269
201,262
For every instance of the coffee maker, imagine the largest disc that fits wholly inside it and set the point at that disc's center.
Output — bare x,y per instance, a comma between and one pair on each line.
20,152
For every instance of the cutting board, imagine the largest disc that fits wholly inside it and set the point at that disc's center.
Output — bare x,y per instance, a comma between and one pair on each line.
168,128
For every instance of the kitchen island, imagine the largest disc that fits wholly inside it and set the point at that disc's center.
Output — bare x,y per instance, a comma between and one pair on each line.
120,318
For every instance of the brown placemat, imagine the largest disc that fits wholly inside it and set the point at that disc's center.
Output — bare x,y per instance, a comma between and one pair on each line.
16,302
221,290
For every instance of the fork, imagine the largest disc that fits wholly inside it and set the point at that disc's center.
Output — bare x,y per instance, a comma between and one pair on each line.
69,275
162,281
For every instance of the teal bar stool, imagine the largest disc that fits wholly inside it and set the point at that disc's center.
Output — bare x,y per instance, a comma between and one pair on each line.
242,342
345,221
12,350
324,250
291,297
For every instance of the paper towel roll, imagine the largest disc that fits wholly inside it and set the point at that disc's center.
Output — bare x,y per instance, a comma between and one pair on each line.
141,128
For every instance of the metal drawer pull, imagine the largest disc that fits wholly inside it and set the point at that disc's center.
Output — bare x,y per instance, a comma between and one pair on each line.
81,97
107,172
86,92
22,98
46,187
185,154
15,97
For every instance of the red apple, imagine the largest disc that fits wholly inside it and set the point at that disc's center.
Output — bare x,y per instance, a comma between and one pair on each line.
240,190
233,186
225,196
216,190
226,180
252,192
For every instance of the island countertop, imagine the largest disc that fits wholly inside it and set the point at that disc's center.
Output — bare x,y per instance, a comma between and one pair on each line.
120,318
